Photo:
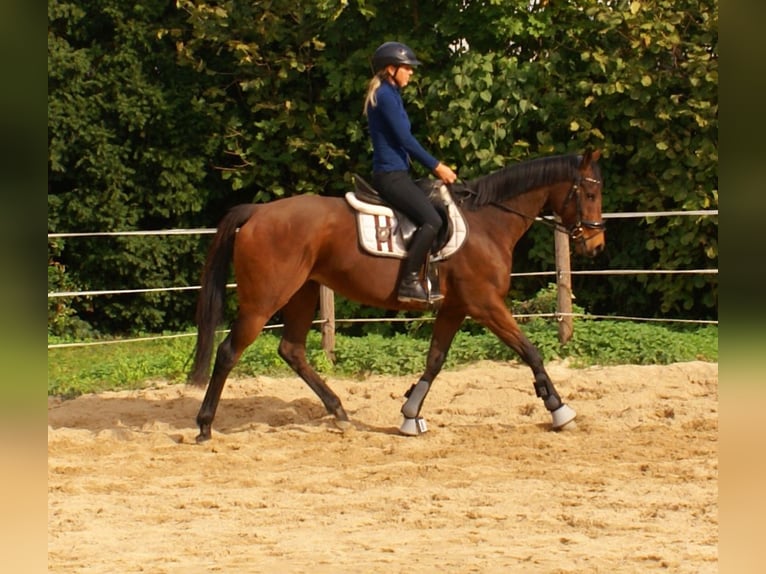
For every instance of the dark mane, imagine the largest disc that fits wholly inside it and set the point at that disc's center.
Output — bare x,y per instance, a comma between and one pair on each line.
519,178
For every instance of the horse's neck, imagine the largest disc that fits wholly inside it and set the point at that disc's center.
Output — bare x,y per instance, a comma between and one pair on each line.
526,208
531,204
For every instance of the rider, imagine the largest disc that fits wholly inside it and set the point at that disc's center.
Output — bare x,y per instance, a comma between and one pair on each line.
394,147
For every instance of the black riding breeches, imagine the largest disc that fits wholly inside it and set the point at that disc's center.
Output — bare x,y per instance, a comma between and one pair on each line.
398,189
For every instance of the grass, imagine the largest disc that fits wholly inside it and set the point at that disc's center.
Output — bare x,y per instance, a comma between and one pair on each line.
73,371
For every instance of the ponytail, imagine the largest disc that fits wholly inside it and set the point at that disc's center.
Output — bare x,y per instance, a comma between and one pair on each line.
371,100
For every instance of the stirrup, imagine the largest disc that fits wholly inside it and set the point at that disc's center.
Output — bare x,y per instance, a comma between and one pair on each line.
434,293
413,298
432,282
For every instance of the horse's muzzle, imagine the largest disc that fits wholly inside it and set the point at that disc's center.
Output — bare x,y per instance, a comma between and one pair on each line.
595,250
589,239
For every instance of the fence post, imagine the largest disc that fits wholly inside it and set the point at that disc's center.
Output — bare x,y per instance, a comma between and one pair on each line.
327,316
563,285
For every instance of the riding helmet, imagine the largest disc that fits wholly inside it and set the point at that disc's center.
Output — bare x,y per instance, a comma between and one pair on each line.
394,53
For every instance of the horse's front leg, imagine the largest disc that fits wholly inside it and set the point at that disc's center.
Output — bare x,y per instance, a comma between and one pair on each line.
446,325
500,321
562,414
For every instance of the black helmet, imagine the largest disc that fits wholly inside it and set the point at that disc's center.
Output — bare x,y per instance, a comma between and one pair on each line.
394,53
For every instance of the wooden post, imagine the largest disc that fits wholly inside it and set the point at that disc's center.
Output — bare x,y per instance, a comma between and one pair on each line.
564,286
327,316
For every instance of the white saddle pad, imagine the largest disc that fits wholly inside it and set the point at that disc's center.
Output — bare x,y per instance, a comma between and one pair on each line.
378,228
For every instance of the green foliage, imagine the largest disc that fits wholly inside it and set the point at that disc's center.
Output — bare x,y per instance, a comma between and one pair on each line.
127,149
161,115
395,355
639,81
545,301
73,371
62,316
609,343
129,365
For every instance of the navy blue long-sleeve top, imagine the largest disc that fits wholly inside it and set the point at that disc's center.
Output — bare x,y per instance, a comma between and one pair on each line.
390,130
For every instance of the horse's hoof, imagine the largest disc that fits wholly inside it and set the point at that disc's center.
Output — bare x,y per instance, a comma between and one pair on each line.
204,435
345,426
413,427
564,418
339,414
570,426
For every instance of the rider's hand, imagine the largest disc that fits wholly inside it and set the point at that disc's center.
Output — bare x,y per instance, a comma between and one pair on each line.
445,173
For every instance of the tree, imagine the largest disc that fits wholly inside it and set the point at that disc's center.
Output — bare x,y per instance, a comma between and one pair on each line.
130,137
163,115
637,79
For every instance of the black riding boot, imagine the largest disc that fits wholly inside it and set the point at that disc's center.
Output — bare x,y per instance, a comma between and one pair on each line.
411,287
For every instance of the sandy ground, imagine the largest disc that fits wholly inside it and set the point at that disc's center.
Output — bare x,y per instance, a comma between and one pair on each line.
488,489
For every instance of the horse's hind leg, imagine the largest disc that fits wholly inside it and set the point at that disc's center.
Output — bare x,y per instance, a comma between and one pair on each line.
243,332
446,325
297,316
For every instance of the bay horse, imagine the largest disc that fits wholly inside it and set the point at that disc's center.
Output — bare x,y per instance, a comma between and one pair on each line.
284,250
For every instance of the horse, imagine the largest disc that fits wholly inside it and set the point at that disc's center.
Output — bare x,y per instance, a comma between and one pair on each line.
284,250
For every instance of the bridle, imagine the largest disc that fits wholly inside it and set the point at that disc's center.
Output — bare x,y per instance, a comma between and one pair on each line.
574,231
577,229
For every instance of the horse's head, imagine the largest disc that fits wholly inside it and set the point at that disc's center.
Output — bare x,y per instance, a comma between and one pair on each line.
580,207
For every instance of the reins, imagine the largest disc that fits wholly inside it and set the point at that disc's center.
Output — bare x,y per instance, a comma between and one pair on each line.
575,231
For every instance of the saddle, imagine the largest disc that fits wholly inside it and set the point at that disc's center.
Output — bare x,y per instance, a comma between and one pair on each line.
387,232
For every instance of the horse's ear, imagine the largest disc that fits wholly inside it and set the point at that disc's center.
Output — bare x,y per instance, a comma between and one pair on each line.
589,157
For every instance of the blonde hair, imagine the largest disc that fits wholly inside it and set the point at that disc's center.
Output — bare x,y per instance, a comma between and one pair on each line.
371,99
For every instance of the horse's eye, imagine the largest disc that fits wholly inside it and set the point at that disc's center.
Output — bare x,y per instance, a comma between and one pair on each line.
590,196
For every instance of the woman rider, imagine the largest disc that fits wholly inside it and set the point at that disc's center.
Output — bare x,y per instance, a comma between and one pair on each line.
394,147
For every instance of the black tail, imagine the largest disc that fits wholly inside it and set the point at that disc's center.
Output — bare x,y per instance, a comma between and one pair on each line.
212,296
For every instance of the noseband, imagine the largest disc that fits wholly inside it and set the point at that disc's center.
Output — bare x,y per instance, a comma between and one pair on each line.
577,229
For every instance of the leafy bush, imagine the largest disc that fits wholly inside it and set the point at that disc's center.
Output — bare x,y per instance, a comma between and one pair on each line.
77,370
161,115
129,365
